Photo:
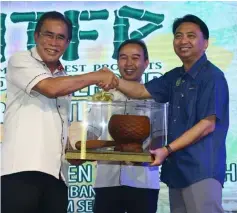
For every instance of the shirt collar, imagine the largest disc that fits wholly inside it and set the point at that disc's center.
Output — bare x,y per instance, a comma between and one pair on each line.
35,54
196,67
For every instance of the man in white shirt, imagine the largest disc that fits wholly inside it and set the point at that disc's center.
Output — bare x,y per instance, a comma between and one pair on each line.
119,187
36,120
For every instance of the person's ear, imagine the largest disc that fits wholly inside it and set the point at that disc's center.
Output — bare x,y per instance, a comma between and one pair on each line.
146,63
68,42
36,37
206,42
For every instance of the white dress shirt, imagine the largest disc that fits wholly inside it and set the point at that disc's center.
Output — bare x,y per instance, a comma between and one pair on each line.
111,173
35,127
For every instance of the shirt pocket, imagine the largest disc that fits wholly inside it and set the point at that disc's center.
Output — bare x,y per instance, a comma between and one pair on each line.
190,102
176,102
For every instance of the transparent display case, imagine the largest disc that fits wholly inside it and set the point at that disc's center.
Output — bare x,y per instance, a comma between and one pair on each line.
117,131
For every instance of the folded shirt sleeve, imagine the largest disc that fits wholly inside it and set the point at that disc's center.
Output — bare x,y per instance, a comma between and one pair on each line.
214,99
24,72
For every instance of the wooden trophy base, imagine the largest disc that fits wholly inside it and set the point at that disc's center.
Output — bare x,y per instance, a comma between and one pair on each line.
110,156
95,151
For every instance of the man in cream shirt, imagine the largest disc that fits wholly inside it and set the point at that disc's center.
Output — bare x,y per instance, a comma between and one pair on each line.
36,120
119,187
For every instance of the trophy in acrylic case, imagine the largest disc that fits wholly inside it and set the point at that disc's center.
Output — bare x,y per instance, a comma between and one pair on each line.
117,130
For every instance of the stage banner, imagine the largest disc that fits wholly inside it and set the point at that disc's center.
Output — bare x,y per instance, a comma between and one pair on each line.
99,28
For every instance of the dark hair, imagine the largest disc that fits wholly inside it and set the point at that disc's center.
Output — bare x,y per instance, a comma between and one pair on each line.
54,15
135,41
193,19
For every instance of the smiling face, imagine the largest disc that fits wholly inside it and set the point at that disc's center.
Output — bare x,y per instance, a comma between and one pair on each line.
51,42
189,43
131,62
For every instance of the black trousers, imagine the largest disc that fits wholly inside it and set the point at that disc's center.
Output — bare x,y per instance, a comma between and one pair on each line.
121,199
33,192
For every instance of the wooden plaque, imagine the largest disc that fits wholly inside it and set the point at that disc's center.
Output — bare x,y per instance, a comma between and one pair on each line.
109,156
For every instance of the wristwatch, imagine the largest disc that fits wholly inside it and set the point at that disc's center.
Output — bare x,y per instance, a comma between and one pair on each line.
169,148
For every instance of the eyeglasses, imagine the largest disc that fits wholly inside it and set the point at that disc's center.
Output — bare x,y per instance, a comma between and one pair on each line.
50,36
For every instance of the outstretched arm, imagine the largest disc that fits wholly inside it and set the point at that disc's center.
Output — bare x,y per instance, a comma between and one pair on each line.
193,135
133,89
64,85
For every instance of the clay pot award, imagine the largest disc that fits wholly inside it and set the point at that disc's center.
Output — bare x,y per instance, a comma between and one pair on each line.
129,132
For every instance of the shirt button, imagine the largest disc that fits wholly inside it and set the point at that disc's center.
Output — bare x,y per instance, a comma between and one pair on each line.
178,107
182,95
174,120
63,138
183,81
58,106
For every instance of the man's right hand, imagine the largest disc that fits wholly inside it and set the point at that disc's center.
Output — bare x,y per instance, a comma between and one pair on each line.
107,79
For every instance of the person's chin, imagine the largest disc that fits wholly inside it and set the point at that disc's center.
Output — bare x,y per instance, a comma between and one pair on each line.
51,61
52,58
184,55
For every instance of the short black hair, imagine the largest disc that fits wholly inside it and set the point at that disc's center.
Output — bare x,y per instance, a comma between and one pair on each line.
193,19
135,41
54,15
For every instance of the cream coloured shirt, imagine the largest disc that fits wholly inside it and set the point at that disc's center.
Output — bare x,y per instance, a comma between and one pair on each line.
35,127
